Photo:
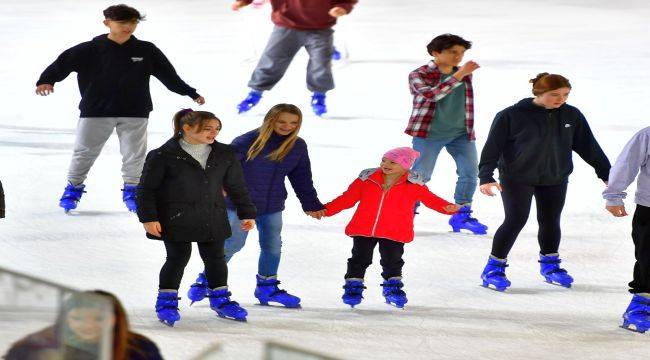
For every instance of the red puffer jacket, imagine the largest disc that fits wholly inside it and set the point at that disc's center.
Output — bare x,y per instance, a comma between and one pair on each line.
384,214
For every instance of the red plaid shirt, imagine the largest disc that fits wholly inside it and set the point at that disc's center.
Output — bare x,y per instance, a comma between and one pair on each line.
427,89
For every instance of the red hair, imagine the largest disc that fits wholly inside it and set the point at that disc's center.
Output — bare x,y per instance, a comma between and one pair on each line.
545,82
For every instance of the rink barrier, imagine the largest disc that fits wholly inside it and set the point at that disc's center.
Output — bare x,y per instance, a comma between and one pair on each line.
29,301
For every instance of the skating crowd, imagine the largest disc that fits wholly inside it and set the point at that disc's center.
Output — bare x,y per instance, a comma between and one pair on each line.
193,189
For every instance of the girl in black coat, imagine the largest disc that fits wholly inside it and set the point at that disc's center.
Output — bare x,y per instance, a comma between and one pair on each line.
531,143
180,201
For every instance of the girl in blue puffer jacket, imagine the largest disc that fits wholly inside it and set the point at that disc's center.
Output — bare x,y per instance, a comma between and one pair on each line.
269,155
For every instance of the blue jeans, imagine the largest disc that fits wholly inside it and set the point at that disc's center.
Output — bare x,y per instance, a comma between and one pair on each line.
269,227
464,153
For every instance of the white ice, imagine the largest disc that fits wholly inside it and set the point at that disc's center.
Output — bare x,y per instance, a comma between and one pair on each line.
601,45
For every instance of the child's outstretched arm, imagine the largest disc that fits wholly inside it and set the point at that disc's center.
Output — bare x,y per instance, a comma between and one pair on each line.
434,202
346,200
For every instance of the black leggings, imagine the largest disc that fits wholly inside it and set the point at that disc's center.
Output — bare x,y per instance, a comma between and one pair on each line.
178,254
641,237
517,199
391,257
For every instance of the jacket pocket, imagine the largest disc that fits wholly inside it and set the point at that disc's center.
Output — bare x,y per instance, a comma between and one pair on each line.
181,215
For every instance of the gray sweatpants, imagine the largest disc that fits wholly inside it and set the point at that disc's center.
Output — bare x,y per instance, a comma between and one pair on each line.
283,45
92,134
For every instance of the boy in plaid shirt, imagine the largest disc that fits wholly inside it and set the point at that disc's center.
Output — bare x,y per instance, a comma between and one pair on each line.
443,117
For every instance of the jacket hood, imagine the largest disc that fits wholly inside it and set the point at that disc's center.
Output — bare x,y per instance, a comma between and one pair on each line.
527,104
411,176
103,38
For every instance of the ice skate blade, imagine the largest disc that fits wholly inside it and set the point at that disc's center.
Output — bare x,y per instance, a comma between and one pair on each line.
632,327
231,318
280,305
493,287
399,306
469,232
568,286
170,324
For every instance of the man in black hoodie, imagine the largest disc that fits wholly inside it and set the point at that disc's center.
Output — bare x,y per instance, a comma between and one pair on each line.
113,73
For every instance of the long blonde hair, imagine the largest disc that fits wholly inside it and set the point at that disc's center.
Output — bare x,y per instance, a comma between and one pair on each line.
266,130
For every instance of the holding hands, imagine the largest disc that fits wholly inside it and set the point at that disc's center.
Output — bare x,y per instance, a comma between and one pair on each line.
316,214
452,208
617,210
247,224
486,189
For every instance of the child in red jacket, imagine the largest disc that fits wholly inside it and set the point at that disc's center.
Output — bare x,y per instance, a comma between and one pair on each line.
386,197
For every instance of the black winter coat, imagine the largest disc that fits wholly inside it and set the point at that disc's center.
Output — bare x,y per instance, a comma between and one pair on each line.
114,79
533,146
2,202
188,200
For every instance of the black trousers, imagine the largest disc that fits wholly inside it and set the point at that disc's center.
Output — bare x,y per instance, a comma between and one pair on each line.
517,199
178,254
641,237
391,257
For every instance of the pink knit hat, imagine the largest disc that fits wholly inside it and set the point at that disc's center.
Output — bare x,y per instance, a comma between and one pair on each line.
404,156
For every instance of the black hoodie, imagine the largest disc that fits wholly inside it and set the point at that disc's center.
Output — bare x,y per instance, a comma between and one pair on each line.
533,146
114,79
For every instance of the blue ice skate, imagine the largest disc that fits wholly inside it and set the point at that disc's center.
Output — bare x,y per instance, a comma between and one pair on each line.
464,220
318,103
167,307
199,290
393,292
220,302
494,275
336,55
251,100
267,291
637,315
549,267
353,291
71,196
128,197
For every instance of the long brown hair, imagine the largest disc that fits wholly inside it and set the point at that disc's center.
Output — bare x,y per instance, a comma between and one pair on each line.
192,118
266,130
545,82
124,341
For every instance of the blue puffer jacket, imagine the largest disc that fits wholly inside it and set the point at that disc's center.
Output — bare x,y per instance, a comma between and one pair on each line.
265,178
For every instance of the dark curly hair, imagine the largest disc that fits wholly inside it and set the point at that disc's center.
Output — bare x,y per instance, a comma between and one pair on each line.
446,41
122,12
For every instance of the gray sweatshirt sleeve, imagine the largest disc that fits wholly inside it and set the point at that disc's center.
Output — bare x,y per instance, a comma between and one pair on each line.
632,158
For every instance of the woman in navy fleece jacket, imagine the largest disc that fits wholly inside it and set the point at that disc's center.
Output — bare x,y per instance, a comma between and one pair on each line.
269,155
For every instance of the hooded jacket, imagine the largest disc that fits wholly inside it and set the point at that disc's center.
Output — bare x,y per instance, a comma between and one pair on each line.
114,79
533,146
384,214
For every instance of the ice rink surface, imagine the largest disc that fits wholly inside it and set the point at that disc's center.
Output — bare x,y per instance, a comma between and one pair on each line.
601,46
